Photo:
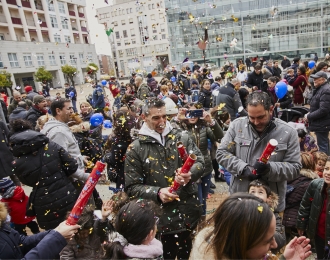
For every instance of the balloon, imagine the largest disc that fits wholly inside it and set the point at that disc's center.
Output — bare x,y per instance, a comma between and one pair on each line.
311,64
107,124
281,89
96,119
71,94
104,82
173,79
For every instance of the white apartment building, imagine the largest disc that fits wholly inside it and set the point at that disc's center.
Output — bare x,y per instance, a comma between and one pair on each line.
139,40
49,33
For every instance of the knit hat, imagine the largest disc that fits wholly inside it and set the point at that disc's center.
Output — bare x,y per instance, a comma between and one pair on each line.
38,99
28,89
149,76
5,184
171,107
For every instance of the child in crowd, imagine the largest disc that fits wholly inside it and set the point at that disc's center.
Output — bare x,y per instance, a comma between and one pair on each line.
307,142
313,214
290,77
295,191
16,201
136,227
320,161
86,243
164,92
58,96
261,189
194,91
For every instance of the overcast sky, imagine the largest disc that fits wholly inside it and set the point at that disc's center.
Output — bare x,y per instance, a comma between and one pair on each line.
97,32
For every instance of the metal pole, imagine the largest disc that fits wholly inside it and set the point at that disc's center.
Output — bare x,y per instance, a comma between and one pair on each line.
321,54
243,40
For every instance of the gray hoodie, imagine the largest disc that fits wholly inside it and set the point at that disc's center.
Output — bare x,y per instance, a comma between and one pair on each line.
242,145
60,133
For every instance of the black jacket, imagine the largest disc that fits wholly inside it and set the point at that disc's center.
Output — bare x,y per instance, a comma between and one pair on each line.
255,80
285,64
6,156
54,195
44,245
277,72
67,93
205,98
319,116
32,115
18,113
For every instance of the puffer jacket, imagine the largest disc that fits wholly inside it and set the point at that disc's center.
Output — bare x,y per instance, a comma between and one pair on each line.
143,92
150,164
33,114
53,194
242,145
255,79
311,208
205,98
294,198
319,116
18,113
200,135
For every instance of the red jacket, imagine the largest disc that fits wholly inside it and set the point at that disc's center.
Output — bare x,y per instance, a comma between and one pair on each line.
5,98
17,206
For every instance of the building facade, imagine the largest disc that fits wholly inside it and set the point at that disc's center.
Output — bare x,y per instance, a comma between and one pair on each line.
139,40
246,28
35,33
106,65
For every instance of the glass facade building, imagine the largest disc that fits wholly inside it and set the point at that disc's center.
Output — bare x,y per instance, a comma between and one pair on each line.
269,28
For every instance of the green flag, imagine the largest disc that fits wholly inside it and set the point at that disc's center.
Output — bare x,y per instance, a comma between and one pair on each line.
108,32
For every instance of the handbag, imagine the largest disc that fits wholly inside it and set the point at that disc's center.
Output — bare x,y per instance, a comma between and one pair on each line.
30,211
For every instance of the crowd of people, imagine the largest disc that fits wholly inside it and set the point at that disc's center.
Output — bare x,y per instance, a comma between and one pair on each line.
277,208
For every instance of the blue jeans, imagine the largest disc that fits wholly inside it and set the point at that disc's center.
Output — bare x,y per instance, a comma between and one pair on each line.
323,141
116,103
203,191
74,105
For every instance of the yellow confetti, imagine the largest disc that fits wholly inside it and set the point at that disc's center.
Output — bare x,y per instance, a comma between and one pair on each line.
260,209
222,105
47,211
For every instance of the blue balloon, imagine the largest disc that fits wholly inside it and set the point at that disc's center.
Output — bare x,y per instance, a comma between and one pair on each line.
96,119
281,89
104,82
71,94
107,124
173,79
311,64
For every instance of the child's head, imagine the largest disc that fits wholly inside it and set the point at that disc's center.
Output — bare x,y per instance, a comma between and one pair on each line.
164,90
320,160
307,161
301,134
120,199
86,222
326,172
5,185
260,189
290,72
58,94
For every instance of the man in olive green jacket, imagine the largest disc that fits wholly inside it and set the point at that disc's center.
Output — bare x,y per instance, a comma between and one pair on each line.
152,163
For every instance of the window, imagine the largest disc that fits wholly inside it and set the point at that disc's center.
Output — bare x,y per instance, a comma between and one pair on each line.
161,15
115,23
154,30
67,38
127,43
163,36
62,58
81,57
133,41
132,32
51,6
61,7
73,60
90,56
130,20
125,33
40,59
1,63
131,52
13,60
153,17
52,60
2,37
57,38
118,44
162,27
27,60
117,35
123,22
53,21
64,22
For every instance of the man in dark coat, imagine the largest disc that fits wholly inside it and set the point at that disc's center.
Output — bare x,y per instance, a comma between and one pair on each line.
20,112
71,93
196,67
6,156
285,63
37,110
248,63
255,78
276,70
319,116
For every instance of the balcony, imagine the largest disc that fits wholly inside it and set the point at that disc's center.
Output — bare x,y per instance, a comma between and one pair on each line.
11,2
72,13
16,20
83,29
3,19
81,15
43,24
26,4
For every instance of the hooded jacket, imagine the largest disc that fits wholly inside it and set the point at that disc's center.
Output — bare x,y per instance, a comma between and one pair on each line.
67,93
255,79
205,98
33,114
242,145
45,166
150,164
98,97
294,198
16,203
143,92
18,113
311,208
60,133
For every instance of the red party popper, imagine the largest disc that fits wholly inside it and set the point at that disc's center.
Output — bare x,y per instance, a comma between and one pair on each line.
267,152
182,151
185,169
85,193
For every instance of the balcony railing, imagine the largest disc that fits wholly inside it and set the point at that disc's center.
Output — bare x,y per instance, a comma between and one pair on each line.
82,15
72,13
26,4
16,20
83,29
43,24
11,2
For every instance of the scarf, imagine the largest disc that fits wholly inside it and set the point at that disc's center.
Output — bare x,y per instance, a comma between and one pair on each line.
153,250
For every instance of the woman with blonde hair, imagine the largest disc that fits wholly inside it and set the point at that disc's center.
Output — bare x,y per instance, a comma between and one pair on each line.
86,111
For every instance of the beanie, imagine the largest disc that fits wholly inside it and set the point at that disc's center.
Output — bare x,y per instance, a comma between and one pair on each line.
171,107
28,89
38,99
149,76
5,184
